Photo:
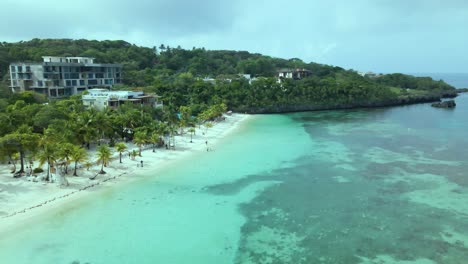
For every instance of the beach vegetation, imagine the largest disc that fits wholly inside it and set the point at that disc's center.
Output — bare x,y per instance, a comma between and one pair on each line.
133,154
78,155
155,140
140,140
192,132
38,170
65,153
207,126
48,154
121,148
104,154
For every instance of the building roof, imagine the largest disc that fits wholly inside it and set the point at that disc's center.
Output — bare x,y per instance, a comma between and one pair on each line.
293,70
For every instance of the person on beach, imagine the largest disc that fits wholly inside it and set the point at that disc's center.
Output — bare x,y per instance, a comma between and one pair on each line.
206,142
141,162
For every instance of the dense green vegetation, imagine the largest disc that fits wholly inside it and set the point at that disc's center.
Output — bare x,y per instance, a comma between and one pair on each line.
60,130
176,74
411,82
31,129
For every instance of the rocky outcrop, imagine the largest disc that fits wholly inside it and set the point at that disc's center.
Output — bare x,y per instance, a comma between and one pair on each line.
445,104
449,93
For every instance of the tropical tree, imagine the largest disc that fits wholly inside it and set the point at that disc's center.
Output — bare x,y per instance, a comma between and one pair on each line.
102,123
140,139
154,139
22,140
120,147
8,151
64,152
208,125
48,154
192,132
104,154
185,116
78,155
133,154
88,165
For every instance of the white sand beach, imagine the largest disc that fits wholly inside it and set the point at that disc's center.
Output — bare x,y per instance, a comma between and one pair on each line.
22,200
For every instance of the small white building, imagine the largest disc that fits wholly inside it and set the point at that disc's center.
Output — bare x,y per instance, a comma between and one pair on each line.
295,74
103,98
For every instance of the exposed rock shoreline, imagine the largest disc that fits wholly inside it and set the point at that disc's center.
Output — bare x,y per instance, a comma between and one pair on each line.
445,104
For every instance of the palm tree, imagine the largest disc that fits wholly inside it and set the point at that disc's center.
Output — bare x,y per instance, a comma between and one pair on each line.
88,165
104,154
102,124
208,125
64,153
154,139
120,147
192,132
133,154
47,154
78,155
140,140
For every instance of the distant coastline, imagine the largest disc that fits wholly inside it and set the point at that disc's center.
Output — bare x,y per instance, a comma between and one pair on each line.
406,100
458,80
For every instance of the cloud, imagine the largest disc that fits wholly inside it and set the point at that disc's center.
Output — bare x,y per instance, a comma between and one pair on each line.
160,19
384,35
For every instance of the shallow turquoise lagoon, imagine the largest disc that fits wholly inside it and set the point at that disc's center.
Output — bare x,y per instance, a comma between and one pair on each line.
384,185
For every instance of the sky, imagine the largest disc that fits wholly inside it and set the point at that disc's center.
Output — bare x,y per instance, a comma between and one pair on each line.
385,36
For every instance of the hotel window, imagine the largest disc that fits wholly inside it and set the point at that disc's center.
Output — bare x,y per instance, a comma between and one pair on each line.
20,68
82,82
90,76
74,82
68,83
28,68
39,83
13,69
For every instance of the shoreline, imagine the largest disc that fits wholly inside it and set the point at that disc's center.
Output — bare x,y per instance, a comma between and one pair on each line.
25,200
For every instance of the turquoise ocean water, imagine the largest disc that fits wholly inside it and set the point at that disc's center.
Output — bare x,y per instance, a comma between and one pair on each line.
385,185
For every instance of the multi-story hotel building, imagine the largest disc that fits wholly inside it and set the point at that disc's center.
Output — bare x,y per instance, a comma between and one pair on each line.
57,77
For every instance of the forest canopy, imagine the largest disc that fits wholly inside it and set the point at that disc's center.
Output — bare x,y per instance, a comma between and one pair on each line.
177,75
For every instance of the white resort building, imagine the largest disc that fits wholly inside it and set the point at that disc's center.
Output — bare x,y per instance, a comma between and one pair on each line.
103,98
57,77
295,74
